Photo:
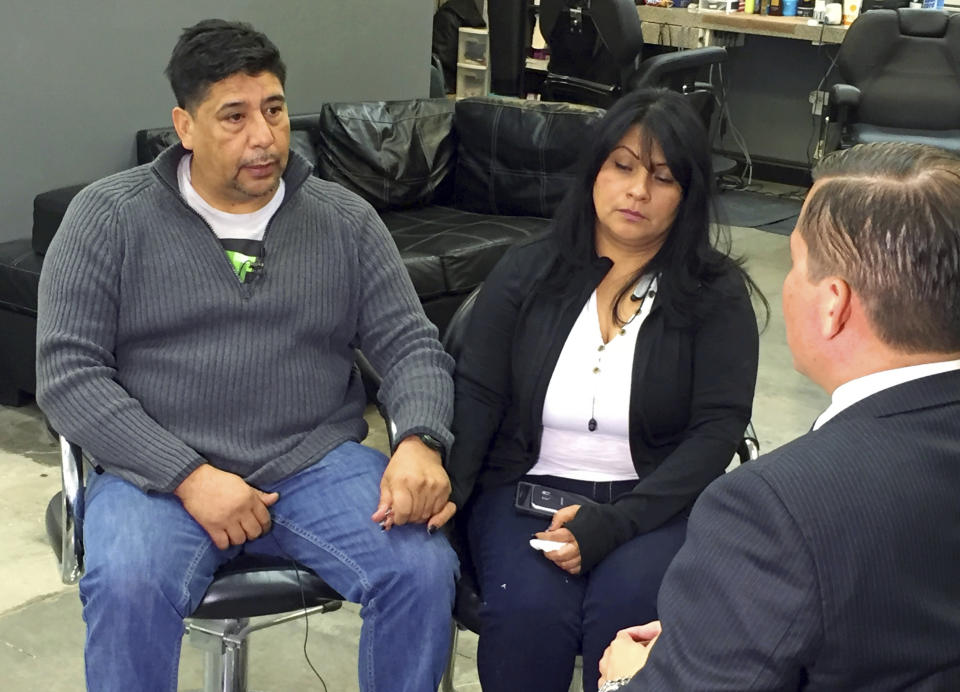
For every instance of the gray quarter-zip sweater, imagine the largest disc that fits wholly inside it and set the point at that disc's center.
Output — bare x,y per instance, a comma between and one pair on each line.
155,358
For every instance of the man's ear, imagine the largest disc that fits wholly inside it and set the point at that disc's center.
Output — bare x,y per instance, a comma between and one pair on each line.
183,124
835,304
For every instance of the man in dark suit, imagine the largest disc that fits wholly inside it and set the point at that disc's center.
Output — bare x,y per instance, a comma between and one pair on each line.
833,563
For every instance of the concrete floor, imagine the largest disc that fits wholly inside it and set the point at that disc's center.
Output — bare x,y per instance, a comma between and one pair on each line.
41,631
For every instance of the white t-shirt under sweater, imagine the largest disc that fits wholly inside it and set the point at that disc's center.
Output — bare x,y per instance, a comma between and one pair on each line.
590,382
227,226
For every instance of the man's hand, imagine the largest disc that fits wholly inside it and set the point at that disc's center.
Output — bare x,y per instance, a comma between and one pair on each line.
628,653
566,558
228,509
414,488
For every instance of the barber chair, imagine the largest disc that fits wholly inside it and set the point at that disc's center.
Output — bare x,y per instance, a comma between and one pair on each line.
466,610
246,587
596,48
900,81
595,55
869,5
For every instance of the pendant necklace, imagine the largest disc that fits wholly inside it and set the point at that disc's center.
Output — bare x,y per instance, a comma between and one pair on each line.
639,296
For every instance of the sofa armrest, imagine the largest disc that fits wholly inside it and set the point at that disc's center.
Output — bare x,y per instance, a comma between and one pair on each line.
48,210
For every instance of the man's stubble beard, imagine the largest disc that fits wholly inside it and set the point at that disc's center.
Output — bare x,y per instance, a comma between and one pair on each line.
236,185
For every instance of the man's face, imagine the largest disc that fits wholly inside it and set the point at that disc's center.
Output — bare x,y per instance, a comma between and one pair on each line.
240,139
800,301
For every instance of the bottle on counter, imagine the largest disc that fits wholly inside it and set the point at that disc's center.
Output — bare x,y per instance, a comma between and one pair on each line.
851,10
805,8
820,11
775,9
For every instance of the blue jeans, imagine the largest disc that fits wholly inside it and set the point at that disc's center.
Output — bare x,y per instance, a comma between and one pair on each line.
148,565
535,617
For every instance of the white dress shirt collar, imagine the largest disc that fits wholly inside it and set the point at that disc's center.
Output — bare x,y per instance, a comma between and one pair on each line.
851,392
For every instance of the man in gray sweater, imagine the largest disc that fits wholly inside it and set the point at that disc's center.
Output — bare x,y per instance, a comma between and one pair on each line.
197,323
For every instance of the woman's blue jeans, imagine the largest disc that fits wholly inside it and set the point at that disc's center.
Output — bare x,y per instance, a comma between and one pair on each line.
535,617
148,565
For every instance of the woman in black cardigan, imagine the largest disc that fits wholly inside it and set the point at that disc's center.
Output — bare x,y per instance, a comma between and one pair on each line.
614,358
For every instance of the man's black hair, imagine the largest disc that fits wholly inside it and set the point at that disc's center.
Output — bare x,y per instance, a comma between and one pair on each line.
214,49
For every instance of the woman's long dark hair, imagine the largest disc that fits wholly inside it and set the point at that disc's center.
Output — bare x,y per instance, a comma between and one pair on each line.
689,257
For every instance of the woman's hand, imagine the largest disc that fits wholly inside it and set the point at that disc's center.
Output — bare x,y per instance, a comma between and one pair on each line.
566,558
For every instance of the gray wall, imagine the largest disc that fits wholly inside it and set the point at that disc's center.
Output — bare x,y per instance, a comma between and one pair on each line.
81,78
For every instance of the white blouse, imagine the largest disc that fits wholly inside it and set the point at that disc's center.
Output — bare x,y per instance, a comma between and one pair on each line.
592,381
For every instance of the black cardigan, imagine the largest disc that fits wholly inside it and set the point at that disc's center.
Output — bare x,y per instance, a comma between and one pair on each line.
690,398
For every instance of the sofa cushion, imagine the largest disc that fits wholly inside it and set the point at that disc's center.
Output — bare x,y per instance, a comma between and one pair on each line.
19,276
449,250
394,154
515,156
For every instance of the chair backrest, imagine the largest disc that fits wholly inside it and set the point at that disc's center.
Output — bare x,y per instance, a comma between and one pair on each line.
457,327
869,5
906,64
596,48
596,40
678,71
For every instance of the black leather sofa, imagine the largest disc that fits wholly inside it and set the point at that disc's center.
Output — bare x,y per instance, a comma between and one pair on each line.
456,184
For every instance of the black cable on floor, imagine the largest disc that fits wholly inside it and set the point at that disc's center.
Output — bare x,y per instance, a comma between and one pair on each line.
306,618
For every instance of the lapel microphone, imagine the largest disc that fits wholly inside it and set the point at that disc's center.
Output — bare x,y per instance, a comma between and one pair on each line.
256,267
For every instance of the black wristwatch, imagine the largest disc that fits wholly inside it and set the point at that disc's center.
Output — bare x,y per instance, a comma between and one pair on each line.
434,444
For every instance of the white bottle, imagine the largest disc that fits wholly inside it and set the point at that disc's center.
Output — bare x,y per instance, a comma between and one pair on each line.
820,11
834,13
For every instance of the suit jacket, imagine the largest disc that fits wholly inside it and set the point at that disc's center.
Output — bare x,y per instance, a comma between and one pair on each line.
690,395
832,563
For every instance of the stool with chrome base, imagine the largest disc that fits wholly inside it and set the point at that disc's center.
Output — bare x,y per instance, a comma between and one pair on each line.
248,586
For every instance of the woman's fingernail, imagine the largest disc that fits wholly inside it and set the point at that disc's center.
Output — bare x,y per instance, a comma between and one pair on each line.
432,529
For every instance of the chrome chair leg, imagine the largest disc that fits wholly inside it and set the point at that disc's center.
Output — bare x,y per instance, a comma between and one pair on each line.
576,684
224,653
446,682
234,666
